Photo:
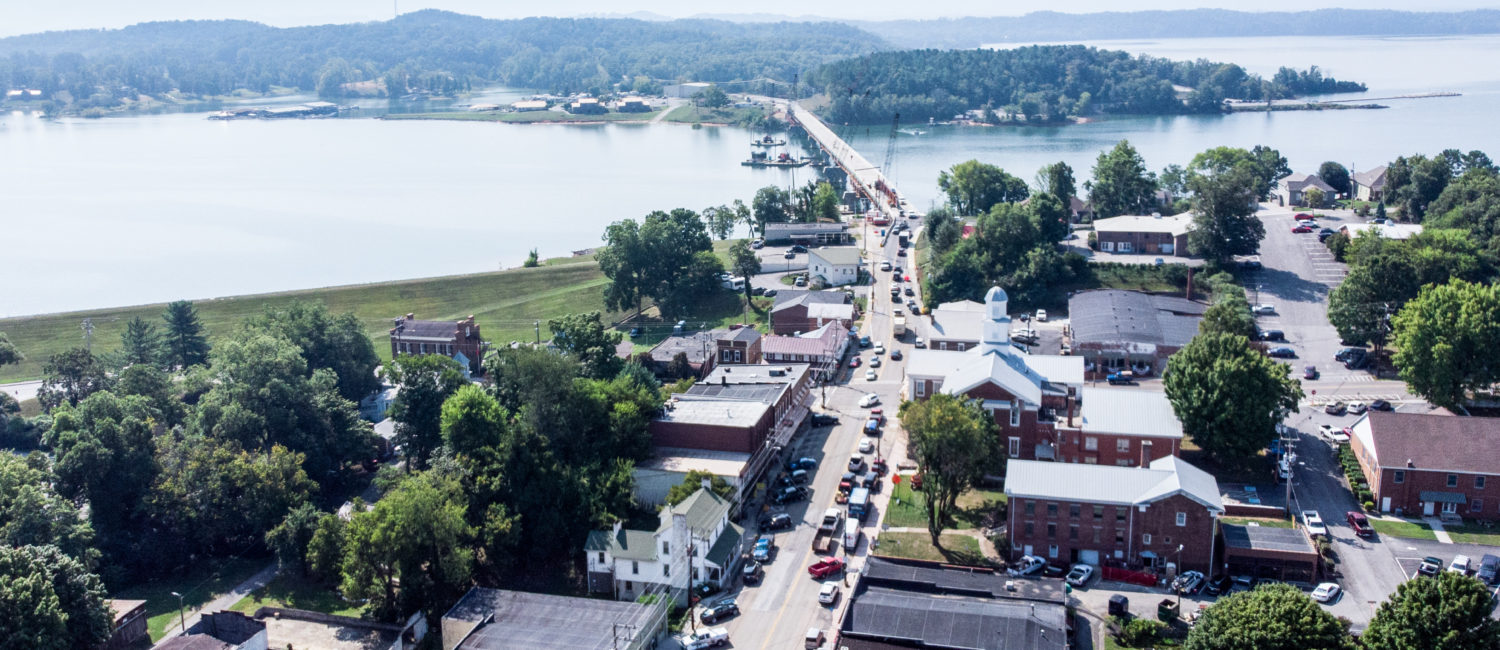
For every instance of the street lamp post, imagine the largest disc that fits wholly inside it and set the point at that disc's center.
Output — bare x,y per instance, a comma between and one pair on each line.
1179,573
181,615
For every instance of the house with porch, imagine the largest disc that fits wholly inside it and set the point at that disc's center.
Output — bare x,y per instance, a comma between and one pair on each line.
695,543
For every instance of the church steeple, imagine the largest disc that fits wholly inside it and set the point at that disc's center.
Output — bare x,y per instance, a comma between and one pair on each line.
996,322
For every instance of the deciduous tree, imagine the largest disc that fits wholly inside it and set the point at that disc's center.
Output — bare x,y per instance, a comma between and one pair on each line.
338,343
1272,617
425,381
1229,315
1228,395
770,205
585,337
413,551
955,442
1224,211
9,355
1057,179
744,263
70,377
1445,341
1335,175
1121,183
473,421
32,513
694,482
289,540
1449,611
50,601
974,187
105,456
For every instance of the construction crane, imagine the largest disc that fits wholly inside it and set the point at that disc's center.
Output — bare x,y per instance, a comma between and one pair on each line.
890,146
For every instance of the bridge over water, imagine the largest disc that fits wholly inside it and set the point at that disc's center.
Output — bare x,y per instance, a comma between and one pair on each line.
865,177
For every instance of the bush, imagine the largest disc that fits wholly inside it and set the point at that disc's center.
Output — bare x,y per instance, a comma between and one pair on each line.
1141,633
1093,240
1369,506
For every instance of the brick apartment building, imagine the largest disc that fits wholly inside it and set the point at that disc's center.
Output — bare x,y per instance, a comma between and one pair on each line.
1148,235
1137,517
459,340
707,349
796,311
1431,465
1125,428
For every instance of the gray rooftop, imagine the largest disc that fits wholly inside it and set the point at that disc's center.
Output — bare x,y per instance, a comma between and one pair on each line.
781,229
1266,538
1128,412
1172,225
698,346
1298,182
1375,178
961,321
1163,478
1110,316
838,255
927,577
790,297
627,544
526,620
955,622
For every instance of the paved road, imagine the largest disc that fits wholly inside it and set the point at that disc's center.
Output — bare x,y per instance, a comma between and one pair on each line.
21,390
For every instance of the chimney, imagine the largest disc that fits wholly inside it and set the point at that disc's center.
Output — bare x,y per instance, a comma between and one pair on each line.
617,525
708,484
1070,411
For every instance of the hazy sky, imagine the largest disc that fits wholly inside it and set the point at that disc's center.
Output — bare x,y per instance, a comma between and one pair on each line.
26,16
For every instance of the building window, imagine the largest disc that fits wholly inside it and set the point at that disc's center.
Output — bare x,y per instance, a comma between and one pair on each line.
1399,477
664,548
695,573
1073,533
1119,537
635,568
1479,482
1124,247
1145,539
1452,480
1030,529
629,586
1108,246
921,387
1030,508
601,557
1074,511
1097,534
666,570
1052,511
1090,443
1123,462
1015,447
1122,444
1051,530
1119,516
1015,413
1476,505
1182,519
1098,513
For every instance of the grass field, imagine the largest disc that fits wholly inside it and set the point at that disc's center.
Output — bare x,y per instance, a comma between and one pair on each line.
908,508
529,117
690,114
506,304
1472,534
295,592
956,549
212,577
1407,529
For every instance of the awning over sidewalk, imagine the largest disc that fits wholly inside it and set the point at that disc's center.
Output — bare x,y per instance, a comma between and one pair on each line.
1433,496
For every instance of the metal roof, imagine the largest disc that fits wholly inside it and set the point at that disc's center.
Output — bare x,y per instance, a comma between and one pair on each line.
524,620
1110,484
926,577
1435,496
1113,316
1266,538
1173,225
790,297
627,544
704,510
1004,368
1128,412
837,255
958,324
726,546
955,622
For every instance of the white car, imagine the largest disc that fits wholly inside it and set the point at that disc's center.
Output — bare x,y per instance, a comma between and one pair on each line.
1313,522
705,638
919,343
879,348
1326,592
1041,315
869,400
1358,408
1028,565
885,265
1264,308
829,594
870,374
1079,575
866,446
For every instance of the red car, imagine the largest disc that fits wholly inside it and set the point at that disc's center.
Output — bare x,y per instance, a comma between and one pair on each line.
826,567
1300,216
1360,524
1301,228
854,363
878,414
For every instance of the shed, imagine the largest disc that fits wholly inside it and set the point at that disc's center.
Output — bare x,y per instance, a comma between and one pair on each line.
1264,552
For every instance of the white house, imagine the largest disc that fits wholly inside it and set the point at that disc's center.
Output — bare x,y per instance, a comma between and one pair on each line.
837,266
632,563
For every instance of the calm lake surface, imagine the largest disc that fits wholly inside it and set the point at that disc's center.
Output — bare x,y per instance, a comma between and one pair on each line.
120,211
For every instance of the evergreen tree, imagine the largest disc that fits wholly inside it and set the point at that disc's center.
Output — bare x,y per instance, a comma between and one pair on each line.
140,343
186,344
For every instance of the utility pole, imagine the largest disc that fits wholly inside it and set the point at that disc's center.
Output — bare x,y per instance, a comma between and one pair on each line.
88,334
538,326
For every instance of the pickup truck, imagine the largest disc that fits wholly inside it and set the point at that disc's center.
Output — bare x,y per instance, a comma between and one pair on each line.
1122,377
706,638
823,540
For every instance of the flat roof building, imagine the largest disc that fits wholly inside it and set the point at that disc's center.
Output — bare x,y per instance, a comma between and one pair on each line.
500,619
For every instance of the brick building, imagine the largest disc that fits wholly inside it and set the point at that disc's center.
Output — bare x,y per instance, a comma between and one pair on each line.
822,348
1125,516
1148,235
1128,330
797,311
707,349
1431,465
459,340
1125,428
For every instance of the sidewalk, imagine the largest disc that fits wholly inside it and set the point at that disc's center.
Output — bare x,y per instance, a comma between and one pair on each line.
225,601
1437,529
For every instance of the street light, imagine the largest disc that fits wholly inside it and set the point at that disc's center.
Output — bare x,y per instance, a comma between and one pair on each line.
181,616
1179,573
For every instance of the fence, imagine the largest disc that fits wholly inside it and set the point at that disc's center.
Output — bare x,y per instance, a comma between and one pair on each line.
1126,575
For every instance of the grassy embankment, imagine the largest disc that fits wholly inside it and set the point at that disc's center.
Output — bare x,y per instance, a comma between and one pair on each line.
529,117
506,304
290,591
690,114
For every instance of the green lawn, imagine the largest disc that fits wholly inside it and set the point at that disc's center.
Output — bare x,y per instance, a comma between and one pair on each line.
212,577
908,508
1261,521
690,114
295,592
956,549
525,118
1472,534
1408,529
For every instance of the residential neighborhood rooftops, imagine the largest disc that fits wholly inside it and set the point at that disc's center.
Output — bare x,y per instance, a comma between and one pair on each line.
789,297
1298,182
703,509
1373,179
499,618
698,346
1112,316
1431,442
1128,412
1163,478
1174,225
1266,538
624,543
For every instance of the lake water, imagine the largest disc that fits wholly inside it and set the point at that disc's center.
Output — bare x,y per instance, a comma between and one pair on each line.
99,213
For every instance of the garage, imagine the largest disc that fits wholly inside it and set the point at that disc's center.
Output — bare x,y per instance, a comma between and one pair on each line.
1089,557
1285,554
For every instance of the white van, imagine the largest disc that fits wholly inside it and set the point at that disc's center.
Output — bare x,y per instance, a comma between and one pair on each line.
851,536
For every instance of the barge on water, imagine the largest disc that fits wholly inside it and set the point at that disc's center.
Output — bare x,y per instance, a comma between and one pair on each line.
767,142
760,159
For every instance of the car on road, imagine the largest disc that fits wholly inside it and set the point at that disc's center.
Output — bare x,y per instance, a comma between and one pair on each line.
908,292
1188,583
826,567
919,343
1346,353
885,265
1123,377
1459,565
1326,592
856,362
719,612
1282,352
1273,335
789,255
875,362
899,270
864,341
872,427
895,355
1041,315
705,638
752,573
1359,522
829,594
824,420
901,252
1027,565
1334,434
1313,522
1430,566
1302,216
1216,586
870,400
880,348
1263,309
801,281
1489,569
857,464
1336,408
870,374
880,467
1301,228
1079,575
758,244
1381,405
866,446
1310,372
797,248
778,521
1357,408
764,546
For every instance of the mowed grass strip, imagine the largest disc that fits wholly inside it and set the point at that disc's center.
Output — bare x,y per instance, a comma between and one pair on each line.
1407,529
294,592
955,548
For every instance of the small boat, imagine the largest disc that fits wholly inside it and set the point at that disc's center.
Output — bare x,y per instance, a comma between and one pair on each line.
767,141
760,159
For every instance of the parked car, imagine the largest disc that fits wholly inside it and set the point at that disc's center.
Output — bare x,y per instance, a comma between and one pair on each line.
870,374
824,420
801,463
764,546
880,467
719,612
1326,592
1302,216
814,639
789,255
1282,352
867,446
869,400
1359,522
1251,264
789,495
1121,377
895,355
1041,315
1336,408
885,265
1301,228
856,362
919,343
1381,405
1430,566
1459,565
908,292
1310,372
1264,308
1489,569
778,521
1216,586
1241,583
798,248
875,362
1325,233
857,463
1336,435
1080,574
705,638
826,567
752,572
1357,408
829,594
1313,522
1027,565
758,244
1346,353
1188,583
1273,335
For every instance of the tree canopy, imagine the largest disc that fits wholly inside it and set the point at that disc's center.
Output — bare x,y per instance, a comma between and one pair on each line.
185,341
668,258
1228,395
955,442
1446,339
50,601
974,187
1225,184
426,382
1271,617
1121,183
586,338
1448,611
